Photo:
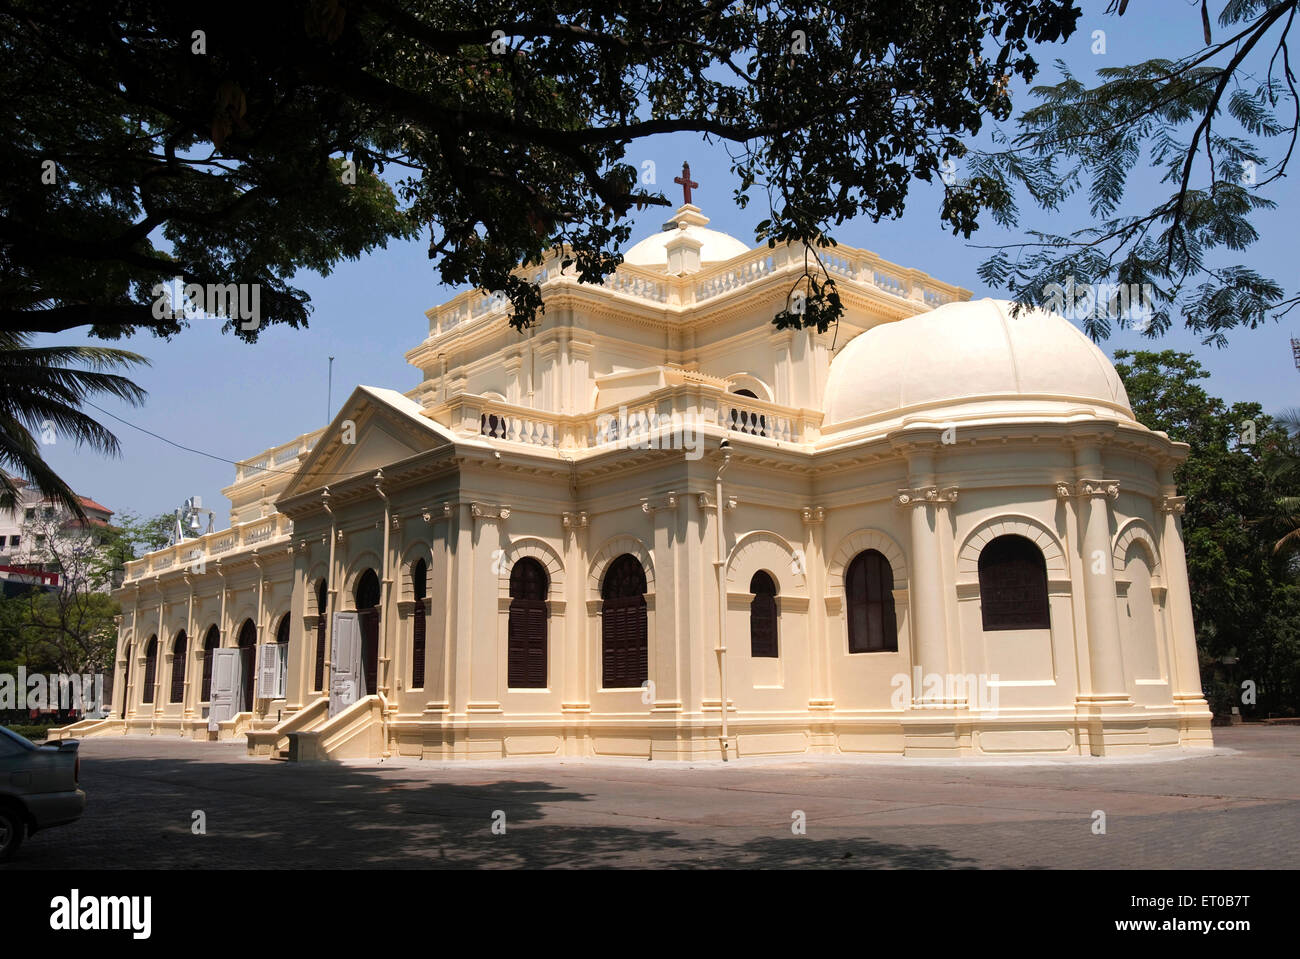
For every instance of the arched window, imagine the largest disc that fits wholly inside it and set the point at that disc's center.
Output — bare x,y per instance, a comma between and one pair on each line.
247,664
323,611
869,598
282,631
419,590
1013,584
623,633
210,643
150,669
762,616
367,598
178,667
526,634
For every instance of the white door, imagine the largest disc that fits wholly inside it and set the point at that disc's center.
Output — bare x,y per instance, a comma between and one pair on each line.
227,674
345,662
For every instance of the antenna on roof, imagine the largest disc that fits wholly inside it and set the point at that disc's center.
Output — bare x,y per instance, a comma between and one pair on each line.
329,394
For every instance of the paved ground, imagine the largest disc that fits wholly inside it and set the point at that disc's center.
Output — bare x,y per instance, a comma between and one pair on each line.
1236,808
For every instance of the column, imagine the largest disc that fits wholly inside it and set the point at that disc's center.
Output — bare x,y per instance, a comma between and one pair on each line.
1105,655
821,696
1187,665
439,668
575,697
929,622
666,673
488,542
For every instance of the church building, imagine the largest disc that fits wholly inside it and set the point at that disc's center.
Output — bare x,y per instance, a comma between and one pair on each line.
654,526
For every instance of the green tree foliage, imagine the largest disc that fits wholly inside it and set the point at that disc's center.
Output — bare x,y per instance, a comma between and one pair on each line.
1192,133
41,394
129,537
1245,598
215,143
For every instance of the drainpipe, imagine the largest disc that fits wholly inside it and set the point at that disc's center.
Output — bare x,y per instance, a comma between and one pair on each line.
719,566
187,710
158,655
330,592
261,633
387,583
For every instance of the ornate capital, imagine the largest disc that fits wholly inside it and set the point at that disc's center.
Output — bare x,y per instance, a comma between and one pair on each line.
488,511
813,515
1088,487
1098,487
926,495
574,520
1173,504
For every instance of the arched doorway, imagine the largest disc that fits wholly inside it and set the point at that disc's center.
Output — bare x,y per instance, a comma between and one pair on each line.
322,610
247,663
210,643
367,600
150,670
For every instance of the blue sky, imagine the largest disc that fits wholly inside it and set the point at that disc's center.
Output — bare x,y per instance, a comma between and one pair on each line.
217,394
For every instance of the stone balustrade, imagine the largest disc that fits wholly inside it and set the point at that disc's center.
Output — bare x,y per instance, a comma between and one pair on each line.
652,286
278,456
672,409
195,553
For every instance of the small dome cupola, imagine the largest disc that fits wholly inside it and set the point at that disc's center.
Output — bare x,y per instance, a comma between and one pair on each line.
685,245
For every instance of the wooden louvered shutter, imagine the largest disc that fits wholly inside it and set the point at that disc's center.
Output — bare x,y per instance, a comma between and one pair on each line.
178,668
869,604
419,589
209,644
370,649
417,645
526,629
624,632
322,612
610,638
1013,585
150,670
320,651
762,616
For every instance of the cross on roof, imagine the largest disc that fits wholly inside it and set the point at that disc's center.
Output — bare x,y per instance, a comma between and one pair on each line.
687,183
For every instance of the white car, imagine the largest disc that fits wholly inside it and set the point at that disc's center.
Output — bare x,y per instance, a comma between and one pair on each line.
38,788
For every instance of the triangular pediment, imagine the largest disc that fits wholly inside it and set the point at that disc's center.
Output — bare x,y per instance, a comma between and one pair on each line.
373,429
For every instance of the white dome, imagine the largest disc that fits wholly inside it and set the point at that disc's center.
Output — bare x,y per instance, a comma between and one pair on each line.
972,360
716,247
